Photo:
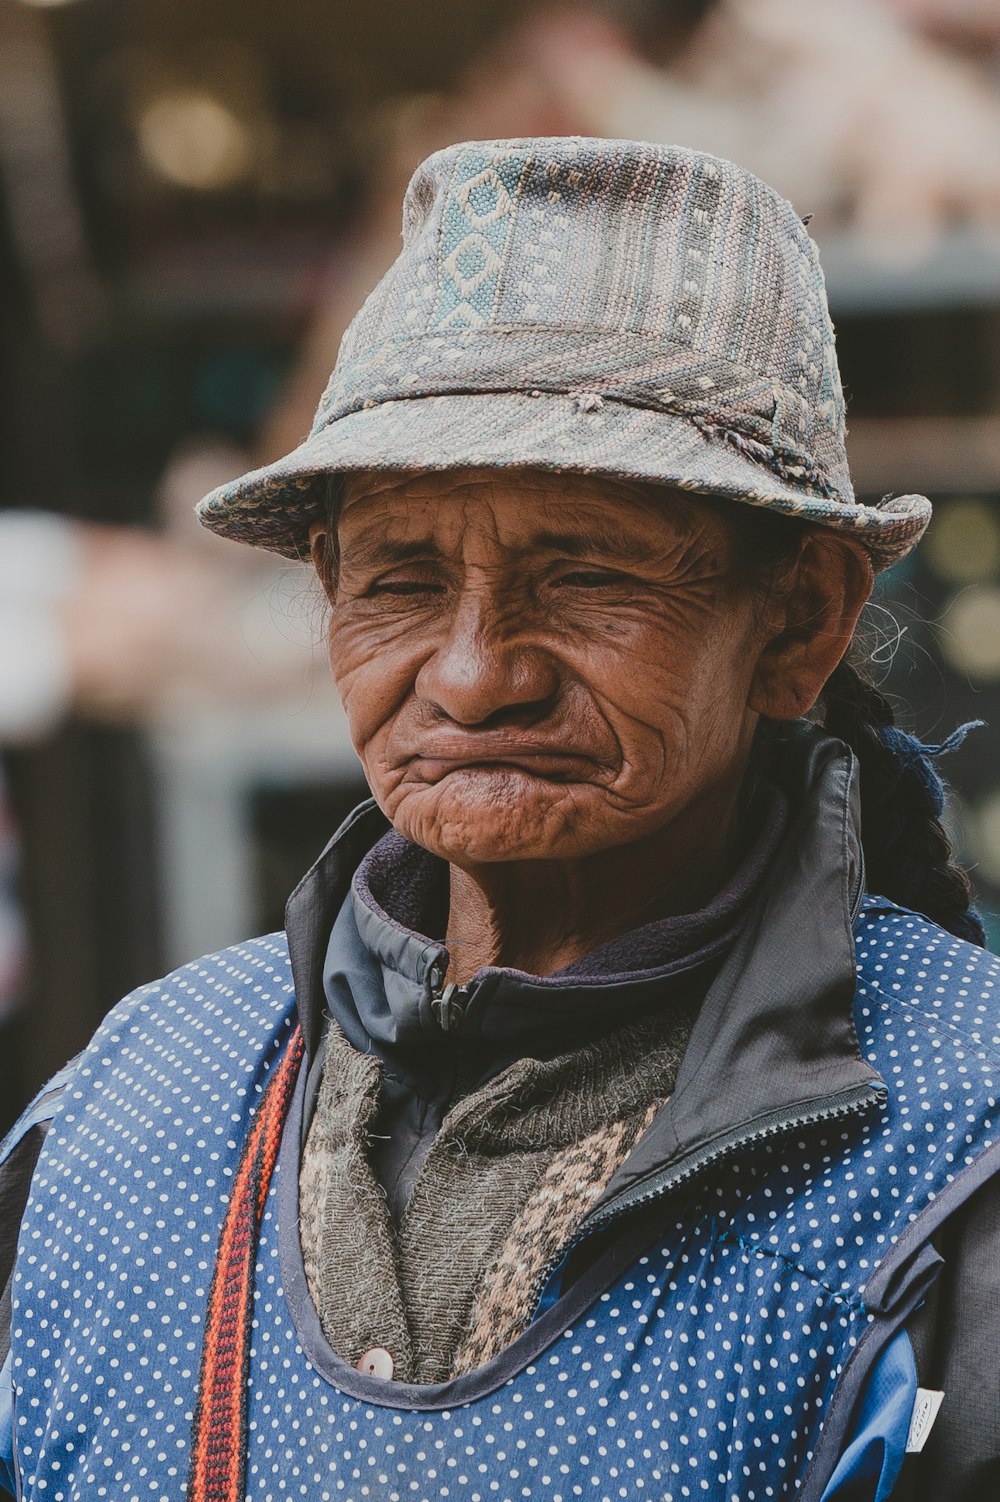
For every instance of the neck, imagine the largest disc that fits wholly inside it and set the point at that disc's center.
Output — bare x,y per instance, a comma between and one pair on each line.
540,916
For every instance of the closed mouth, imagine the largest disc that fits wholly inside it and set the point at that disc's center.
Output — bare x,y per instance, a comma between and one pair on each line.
560,766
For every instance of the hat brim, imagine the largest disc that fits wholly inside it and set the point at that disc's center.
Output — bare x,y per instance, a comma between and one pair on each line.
274,506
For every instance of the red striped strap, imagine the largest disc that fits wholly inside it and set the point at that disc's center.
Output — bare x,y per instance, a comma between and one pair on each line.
219,1447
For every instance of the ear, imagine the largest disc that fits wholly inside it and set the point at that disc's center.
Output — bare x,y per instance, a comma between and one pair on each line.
323,556
813,621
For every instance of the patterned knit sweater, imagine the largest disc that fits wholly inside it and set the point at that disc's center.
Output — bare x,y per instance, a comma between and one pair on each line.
430,1211
513,1170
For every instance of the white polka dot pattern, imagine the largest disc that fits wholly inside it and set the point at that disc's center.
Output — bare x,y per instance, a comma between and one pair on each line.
704,1372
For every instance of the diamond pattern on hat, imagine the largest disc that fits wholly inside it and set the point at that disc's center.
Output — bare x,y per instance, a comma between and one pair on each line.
483,198
476,221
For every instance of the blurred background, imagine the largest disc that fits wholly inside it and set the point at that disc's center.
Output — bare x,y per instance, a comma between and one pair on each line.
194,199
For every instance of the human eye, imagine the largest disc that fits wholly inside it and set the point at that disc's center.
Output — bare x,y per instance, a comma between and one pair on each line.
401,586
589,578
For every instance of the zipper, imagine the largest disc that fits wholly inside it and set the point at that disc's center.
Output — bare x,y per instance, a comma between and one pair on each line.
844,1103
857,896
448,1003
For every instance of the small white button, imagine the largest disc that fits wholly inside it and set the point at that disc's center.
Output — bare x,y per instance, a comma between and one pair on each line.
376,1363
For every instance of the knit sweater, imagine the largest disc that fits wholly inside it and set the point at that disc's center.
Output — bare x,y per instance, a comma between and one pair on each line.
521,1153
509,1176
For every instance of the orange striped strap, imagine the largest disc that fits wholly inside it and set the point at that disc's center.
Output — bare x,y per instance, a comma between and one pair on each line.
219,1447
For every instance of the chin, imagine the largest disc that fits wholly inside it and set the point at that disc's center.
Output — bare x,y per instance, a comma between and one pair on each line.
481,819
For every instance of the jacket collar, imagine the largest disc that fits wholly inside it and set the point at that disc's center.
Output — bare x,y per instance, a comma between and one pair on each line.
775,1034
313,907
776,1025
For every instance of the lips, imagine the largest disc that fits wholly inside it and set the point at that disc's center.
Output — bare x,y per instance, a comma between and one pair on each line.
439,756
540,764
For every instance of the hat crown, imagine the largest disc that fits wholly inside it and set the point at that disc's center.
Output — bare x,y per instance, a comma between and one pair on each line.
667,252
573,304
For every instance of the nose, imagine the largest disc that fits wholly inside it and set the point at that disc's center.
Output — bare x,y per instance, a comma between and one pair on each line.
488,670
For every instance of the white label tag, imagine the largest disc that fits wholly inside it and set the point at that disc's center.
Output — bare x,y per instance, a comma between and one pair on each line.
925,1411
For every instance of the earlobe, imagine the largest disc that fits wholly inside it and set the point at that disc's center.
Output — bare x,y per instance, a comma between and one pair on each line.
833,579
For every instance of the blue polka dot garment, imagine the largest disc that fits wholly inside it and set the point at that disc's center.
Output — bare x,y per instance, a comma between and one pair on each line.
715,1366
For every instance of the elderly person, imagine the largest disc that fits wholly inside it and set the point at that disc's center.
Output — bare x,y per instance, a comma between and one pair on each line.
597,1129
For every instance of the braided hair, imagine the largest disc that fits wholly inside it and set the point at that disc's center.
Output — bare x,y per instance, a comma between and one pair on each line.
908,854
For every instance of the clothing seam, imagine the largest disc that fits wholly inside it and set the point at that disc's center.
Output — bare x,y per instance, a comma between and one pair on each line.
527,166
40,1110
438,263
952,1197
880,1326
887,1321
820,487
931,1024
855,1303
819,1068
370,901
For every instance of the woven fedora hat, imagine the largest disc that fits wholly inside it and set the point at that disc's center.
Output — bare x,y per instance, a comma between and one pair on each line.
575,304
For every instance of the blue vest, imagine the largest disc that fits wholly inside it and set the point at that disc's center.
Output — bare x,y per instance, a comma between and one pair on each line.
728,1359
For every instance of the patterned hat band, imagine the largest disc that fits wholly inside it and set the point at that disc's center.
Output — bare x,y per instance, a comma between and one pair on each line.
765,419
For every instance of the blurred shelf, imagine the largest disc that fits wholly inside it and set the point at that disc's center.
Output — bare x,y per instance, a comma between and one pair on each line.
281,274
957,268
938,454
229,277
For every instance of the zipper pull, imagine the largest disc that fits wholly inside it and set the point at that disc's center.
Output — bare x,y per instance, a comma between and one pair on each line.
448,1005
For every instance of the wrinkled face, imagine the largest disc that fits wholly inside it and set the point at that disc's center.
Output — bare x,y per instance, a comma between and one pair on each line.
540,666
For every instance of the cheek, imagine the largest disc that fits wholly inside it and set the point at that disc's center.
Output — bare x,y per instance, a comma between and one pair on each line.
373,673
681,689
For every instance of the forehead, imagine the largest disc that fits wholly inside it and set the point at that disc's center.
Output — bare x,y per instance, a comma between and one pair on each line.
518,504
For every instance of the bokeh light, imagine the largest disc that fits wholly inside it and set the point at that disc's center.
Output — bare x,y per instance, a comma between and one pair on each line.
195,141
963,546
969,632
